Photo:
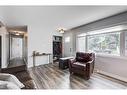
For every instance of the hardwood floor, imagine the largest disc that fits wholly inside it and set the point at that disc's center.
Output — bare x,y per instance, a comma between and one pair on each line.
15,65
16,62
51,77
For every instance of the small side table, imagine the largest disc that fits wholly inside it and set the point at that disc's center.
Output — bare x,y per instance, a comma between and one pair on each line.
63,62
40,54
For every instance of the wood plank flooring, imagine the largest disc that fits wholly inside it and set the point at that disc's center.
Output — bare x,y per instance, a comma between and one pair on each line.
16,62
49,76
15,65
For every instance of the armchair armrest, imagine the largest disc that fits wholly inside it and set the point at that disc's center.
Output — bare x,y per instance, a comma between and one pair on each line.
89,67
71,61
90,62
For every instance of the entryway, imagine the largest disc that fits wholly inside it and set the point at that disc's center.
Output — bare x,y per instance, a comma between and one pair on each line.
18,48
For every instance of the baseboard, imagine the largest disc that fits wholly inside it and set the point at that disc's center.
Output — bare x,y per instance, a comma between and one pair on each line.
112,75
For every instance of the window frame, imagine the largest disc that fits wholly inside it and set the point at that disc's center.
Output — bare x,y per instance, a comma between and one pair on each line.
106,53
122,43
77,47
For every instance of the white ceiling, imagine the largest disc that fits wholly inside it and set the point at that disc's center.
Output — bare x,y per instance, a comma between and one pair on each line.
57,16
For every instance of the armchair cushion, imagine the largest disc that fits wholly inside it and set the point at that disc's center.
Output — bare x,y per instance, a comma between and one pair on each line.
78,65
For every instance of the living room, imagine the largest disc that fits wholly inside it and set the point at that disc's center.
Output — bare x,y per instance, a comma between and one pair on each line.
55,34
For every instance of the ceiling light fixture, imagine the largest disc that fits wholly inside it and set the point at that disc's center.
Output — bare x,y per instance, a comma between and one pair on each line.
61,30
17,34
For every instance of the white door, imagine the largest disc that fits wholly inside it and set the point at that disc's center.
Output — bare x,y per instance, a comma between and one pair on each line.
17,47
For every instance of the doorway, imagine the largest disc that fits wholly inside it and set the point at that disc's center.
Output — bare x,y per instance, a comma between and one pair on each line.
18,48
57,48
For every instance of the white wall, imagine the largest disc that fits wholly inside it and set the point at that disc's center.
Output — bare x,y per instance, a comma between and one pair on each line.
39,40
68,47
5,49
113,65
40,28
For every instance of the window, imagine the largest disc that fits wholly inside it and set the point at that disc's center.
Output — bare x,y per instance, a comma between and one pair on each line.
81,44
112,41
108,43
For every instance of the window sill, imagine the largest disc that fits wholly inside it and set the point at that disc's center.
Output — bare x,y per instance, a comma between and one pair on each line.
112,56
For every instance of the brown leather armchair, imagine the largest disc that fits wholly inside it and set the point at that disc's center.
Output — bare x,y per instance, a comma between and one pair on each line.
83,64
